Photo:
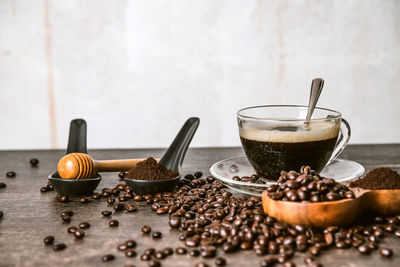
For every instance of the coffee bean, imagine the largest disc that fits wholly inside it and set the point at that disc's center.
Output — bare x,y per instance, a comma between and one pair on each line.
110,200
11,174
145,257
96,196
192,242
168,251
107,257
194,253
130,253
79,234
43,189
34,162
130,243
113,223
106,213
3,185
159,255
84,200
220,261
314,251
122,247
180,250
209,252
288,264
364,249
131,208
119,206
386,252
154,263
63,198
84,225
174,221
269,261
1,214
72,229
138,198
198,174
149,251
156,235
48,240
59,246
201,264
146,229
121,175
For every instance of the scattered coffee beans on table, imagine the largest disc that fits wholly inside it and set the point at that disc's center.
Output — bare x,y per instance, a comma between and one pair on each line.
11,174
48,240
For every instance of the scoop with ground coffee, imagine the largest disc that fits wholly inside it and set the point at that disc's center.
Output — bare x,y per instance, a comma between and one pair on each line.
150,169
380,178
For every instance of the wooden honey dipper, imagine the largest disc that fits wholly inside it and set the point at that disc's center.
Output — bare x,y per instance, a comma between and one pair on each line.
82,166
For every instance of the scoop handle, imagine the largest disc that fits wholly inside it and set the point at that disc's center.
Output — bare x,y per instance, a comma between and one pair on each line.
115,165
77,137
176,152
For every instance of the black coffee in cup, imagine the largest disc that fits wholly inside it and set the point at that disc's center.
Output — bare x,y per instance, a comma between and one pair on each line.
289,147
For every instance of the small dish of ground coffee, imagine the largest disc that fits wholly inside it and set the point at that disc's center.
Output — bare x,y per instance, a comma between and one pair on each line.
150,169
378,179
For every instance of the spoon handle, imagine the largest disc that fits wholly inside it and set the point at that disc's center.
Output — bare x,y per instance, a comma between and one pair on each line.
115,165
175,154
316,89
77,137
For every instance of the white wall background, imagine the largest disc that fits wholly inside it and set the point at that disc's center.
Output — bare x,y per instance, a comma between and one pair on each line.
135,70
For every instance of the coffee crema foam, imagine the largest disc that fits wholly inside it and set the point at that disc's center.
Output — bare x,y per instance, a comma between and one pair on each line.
317,131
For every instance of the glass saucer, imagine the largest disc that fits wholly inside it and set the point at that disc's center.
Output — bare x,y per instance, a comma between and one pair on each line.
342,170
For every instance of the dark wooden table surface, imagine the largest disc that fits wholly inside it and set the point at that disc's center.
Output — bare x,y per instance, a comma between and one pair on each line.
29,215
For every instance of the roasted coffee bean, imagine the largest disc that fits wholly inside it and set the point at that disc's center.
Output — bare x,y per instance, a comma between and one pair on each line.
314,250
113,223
131,208
84,200
145,257
106,213
288,264
180,250
390,228
209,252
156,235
201,264
84,225
107,257
269,261
3,185
138,198
119,206
34,162
121,175
192,242
146,229
341,244
386,252
159,255
110,200
79,234
63,198
194,253
168,251
162,210
174,221
364,249
1,214
67,213
11,174
43,189
154,263
397,233
72,229
130,243
48,240
149,251
122,199
308,260
198,174
59,246
96,196
372,245
220,261
122,247
130,253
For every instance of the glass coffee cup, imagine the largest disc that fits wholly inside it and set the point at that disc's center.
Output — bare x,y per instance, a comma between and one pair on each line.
277,137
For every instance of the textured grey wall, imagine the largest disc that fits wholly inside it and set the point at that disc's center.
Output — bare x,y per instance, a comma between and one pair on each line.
135,70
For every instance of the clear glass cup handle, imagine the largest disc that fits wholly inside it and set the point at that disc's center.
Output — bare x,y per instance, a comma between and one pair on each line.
343,140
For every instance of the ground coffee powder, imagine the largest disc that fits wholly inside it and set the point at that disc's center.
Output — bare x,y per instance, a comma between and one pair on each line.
380,178
150,169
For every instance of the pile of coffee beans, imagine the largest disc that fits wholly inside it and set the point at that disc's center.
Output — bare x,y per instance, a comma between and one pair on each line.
307,186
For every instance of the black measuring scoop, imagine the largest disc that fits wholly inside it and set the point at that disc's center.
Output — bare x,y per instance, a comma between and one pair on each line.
172,159
76,143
